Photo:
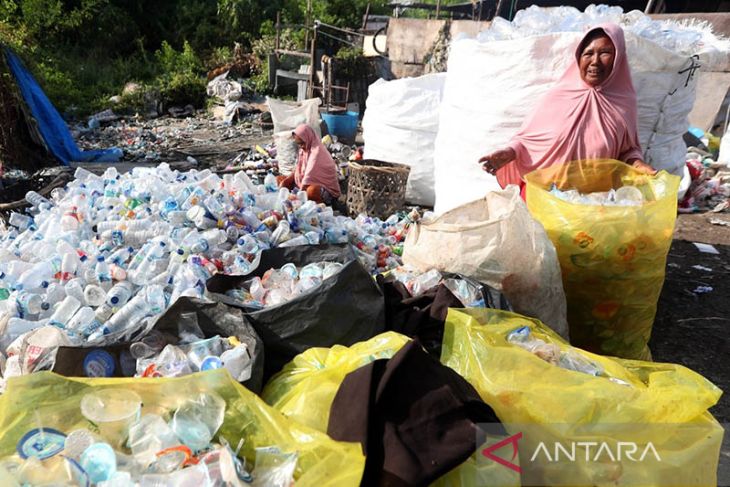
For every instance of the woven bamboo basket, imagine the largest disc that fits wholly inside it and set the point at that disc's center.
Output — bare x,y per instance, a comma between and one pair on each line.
376,188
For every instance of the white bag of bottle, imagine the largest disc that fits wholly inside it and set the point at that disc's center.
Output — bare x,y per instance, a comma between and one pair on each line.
495,241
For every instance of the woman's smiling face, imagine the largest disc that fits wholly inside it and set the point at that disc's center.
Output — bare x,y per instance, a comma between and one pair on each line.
596,60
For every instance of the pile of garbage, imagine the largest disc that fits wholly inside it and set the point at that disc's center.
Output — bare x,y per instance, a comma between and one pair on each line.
623,196
686,38
278,286
104,257
126,446
163,138
710,186
257,162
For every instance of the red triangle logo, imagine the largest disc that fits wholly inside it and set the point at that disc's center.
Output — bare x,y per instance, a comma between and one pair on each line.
488,452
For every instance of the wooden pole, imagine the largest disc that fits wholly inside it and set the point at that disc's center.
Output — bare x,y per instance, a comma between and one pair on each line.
365,19
438,8
500,7
313,66
308,21
277,42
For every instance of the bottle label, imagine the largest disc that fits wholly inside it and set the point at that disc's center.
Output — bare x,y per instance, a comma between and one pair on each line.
41,443
99,363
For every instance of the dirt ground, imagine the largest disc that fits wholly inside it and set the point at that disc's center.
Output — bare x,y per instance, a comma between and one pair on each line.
693,329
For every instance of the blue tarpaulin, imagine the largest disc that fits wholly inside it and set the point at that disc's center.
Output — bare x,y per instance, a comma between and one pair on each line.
51,125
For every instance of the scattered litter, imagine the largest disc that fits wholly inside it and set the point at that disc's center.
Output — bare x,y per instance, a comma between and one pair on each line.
709,189
717,221
701,268
703,289
706,248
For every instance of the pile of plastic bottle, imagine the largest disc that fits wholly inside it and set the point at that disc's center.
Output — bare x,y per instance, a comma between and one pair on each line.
623,196
684,38
418,283
569,359
157,451
101,259
156,358
277,286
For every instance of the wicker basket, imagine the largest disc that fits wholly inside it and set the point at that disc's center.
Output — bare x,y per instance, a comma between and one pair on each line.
376,188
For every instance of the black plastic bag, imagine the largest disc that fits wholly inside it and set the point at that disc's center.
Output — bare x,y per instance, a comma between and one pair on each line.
345,309
189,318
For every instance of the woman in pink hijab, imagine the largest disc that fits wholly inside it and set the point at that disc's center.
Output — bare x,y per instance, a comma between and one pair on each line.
316,171
590,114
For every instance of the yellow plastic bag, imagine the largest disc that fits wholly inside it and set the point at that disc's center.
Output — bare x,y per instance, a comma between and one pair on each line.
631,401
306,387
612,257
54,400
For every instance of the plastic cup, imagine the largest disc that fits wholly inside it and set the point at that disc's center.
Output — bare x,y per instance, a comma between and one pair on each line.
112,411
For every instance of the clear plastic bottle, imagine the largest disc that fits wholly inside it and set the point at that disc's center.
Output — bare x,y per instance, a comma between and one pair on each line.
40,274
103,273
20,221
36,200
119,294
75,288
127,317
82,319
64,312
94,295
28,304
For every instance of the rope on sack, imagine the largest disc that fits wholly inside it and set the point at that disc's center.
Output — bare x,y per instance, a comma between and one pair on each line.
690,71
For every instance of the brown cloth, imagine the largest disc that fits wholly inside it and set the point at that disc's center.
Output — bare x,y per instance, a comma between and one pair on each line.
422,316
415,418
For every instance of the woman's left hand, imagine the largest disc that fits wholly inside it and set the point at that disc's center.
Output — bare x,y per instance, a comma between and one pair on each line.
643,167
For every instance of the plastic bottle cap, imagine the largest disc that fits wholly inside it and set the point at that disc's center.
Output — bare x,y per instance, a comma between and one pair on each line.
210,363
100,258
41,443
99,363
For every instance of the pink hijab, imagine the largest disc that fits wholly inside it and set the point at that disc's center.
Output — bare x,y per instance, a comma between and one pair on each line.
578,121
315,164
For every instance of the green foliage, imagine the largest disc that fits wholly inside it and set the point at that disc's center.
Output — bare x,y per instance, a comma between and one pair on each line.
219,57
352,64
84,51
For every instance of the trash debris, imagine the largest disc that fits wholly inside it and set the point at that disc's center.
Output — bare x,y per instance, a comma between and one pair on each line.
169,139
701,268
623,196
706,248
709,188
107,255
198,430
278,286
683,38
717,221
230,93
702,289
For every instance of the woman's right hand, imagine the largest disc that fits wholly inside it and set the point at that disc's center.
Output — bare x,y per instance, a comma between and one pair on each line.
495,160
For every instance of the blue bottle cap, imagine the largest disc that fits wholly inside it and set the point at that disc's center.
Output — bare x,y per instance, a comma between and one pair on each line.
42,444
99,363
210,363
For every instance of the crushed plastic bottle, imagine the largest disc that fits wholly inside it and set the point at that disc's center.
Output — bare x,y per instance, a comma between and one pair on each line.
623,196
277,286
570,359
125,247
143,444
